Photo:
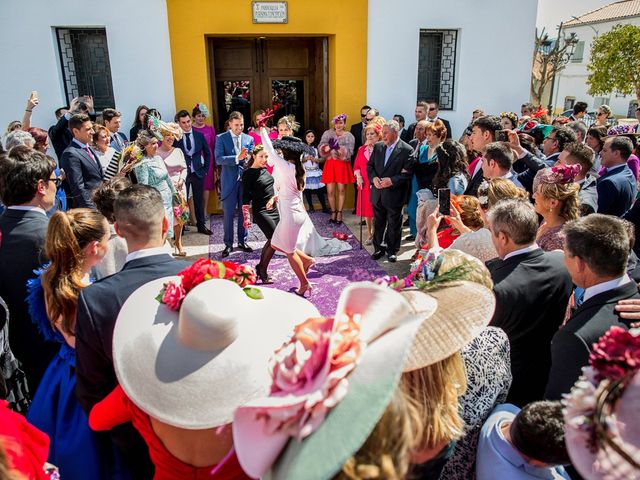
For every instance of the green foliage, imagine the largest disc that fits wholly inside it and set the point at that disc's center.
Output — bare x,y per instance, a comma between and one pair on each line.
615,58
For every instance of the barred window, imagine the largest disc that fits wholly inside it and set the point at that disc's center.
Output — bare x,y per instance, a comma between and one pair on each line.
84,62
437,66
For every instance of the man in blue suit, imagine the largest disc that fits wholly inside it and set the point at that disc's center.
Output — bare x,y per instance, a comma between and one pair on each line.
617,186
80,164
198,157
232,151
112,120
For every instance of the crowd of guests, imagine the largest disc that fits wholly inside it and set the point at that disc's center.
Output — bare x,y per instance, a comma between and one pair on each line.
508,350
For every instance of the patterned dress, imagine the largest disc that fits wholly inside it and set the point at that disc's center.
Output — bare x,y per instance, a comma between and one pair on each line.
153,172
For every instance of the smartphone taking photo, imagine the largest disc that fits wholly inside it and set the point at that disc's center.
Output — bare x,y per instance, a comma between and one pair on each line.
444,201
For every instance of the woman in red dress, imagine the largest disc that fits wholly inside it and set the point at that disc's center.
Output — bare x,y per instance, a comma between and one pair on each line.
373,134
336,147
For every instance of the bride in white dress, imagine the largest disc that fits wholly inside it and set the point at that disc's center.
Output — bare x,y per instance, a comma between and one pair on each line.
288,174
309,240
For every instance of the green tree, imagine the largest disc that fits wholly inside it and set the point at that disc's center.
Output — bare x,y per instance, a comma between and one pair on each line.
615,57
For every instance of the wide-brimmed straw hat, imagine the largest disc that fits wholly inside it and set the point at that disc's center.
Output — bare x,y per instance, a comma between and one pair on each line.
193,367
318,447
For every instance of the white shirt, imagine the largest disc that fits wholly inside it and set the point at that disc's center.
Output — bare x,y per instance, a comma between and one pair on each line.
146,252
389,151
530,248
594,290
27,208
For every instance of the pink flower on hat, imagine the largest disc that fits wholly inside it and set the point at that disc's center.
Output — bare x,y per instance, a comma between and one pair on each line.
309,374
244,275
173,295
615,354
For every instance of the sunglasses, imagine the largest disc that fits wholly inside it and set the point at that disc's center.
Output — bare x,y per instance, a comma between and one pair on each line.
599,114
432,109
57,181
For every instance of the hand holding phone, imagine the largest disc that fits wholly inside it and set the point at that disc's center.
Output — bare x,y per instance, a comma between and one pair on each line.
444,201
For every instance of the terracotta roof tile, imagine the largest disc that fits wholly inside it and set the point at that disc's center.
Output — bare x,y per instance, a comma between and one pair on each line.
613,11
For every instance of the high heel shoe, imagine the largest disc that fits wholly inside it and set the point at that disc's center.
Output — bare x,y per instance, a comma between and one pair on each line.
334,216
339,217
263,275
303,289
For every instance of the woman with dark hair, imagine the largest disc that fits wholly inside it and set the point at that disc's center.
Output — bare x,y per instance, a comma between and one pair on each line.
41,137
212,180
509,120
258,191
139,122
289,174
107,155
452,167
76,241
596,135
313,176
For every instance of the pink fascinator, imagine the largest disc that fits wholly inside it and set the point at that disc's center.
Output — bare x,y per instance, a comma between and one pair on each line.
341,116
558,175
621,130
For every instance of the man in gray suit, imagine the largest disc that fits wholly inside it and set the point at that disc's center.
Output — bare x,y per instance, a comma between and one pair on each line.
28,188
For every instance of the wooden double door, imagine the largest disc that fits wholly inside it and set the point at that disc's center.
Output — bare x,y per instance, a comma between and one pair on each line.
287,75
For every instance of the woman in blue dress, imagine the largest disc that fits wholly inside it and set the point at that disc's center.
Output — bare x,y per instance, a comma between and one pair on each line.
76,241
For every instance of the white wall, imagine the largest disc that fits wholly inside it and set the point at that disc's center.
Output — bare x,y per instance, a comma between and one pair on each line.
572,81
139,52
494,56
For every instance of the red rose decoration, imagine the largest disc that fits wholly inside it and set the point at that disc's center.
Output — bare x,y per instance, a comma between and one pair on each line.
230,269
615,354
173,295
245,275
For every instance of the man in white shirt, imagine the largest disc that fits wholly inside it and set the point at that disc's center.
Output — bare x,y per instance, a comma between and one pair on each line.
596,251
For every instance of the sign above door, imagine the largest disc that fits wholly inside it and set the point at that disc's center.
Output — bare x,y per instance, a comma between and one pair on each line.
270,12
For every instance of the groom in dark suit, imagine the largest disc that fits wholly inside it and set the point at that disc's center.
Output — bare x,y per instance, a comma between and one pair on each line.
596,251
617,186
389,169
532,288
198,157
28,189
80,164
140,220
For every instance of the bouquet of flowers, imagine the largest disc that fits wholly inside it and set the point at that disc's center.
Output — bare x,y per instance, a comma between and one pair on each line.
131,156
173,293
180,207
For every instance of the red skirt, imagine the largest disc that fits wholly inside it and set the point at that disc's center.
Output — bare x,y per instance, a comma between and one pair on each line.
337,171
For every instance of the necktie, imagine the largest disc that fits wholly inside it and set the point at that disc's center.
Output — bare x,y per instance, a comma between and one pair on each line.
116,138
237,142
579,296
188,141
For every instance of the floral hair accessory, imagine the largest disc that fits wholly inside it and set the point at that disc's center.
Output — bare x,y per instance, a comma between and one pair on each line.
483,197
262,118
528,126
341,116
173,293
560,174
600,435
620,130
203,109
511,116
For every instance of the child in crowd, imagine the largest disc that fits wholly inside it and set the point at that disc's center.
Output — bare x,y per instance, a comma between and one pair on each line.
313,177
521,444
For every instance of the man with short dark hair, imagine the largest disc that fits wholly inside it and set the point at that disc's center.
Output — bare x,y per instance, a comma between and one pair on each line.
433,109
580,129
527,109
28,189
198,157
60,134
112,120
579,111
81,164
141,221
532,288
233,149
483,132
421,114
617,186
554,143
579,154
523,444
596,250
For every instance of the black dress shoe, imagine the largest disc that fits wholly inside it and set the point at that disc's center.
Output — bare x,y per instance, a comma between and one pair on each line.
226,251
392,258
245,248
204,231
410,238
405,223
378,254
